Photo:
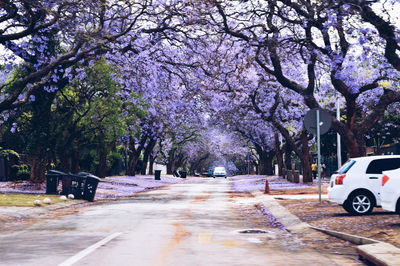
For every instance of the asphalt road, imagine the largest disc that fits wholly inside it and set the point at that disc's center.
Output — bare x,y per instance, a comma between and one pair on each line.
191,223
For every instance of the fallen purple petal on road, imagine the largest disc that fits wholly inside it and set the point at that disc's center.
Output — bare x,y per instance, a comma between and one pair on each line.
243,184
271,218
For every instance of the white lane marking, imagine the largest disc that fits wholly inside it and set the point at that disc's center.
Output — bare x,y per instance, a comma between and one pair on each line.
80,255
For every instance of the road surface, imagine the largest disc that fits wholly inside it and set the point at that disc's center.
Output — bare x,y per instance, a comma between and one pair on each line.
197,222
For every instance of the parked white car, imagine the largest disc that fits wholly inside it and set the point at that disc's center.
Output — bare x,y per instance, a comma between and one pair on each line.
356,185
219,172
390,191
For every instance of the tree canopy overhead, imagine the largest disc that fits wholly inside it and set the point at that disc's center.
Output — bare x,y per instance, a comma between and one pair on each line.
179,69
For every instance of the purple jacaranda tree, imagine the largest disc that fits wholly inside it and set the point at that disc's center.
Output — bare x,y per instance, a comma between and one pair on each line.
173,117
344,49
43,41
242,96
217,146
85,30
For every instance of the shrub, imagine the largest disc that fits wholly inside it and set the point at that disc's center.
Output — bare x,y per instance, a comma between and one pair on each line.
20,172
9,154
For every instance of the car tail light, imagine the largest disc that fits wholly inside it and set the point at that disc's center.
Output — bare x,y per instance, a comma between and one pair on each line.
385,178
339,179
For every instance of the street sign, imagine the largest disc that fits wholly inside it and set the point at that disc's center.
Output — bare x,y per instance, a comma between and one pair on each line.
318,122
310,121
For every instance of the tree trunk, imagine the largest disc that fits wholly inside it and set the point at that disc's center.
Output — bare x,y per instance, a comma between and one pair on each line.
265,160
356,146
171,166
269,169
279,156
265,166
133,160
102,170
288,158
38,169
306,158
151,165
65,164
75,167
41,137
148,150
352,135
134,154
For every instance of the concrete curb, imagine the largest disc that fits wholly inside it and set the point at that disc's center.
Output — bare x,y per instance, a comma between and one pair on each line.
358,240
379,253
291,222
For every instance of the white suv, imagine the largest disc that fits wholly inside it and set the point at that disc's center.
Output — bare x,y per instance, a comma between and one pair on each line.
390,191
356,185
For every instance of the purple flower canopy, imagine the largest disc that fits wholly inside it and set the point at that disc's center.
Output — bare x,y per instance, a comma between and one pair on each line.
218,65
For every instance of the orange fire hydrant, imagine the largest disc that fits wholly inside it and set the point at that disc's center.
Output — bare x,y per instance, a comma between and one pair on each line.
266,191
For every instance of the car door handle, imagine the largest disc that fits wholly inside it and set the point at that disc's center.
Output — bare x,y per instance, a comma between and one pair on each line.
373,177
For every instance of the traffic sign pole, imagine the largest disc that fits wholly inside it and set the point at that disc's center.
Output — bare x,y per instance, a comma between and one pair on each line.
339,146
318,122
319,155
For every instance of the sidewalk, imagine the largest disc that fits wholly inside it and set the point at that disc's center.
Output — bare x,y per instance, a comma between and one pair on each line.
379,253
308,196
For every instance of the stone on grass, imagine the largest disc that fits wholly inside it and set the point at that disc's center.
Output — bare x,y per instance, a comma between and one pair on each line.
63,198
47,200
71,196
37,202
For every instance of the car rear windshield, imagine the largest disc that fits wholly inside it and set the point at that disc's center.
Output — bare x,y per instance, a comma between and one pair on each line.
346,167
379,165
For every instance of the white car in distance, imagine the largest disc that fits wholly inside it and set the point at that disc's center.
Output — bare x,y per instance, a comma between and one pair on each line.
219,172
356,185
390,191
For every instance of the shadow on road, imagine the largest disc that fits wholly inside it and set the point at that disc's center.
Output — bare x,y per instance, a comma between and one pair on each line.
371,214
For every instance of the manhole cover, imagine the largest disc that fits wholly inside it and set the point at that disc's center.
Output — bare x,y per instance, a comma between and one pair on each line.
253,231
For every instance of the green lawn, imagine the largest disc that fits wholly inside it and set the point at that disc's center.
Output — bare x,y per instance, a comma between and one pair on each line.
25,200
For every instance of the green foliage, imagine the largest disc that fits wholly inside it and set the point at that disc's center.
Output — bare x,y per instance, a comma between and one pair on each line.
385,131
89,160
21,172
87,116
9,154
115,162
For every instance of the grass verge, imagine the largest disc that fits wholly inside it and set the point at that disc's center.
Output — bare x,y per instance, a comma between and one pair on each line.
25,200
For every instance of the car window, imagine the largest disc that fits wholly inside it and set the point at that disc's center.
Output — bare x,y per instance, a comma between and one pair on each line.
377,166
346,167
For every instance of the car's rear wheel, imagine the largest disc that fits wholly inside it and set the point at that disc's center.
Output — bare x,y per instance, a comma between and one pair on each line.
359,203
398,206
346,206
